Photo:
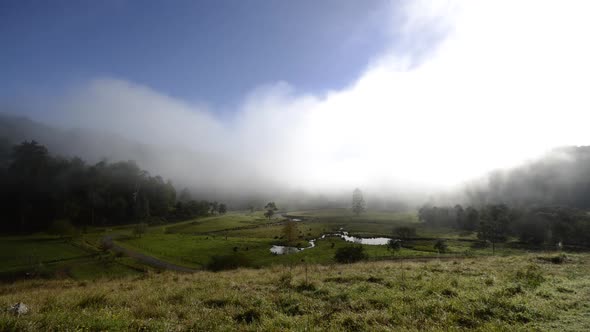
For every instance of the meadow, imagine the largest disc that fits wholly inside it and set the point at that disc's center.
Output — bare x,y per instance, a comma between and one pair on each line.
78,284
525,292
43,256
194,243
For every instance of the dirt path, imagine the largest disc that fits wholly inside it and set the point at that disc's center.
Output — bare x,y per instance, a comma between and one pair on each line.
149,260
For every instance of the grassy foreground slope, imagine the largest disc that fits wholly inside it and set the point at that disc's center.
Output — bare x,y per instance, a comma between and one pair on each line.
527,292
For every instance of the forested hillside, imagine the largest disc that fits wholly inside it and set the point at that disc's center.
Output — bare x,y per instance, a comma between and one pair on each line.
562,177
40,191
542,202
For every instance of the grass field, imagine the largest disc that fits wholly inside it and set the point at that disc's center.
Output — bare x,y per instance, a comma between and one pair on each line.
220,223
43,256
31,250
525,292
464,288
193,243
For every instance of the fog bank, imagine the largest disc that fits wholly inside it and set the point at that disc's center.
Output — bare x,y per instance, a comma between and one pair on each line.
465,88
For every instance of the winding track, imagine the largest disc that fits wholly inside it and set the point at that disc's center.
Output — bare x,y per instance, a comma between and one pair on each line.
149,260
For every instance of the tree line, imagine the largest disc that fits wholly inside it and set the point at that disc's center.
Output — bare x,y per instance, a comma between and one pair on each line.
562,177
39,189
494,223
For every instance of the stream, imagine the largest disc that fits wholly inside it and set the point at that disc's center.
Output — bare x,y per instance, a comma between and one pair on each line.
374,241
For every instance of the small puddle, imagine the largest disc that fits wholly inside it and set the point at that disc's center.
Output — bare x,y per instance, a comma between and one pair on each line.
373,241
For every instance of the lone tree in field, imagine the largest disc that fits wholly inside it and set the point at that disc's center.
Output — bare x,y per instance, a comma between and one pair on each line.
270,207
213,207
222,208
394,246
358,202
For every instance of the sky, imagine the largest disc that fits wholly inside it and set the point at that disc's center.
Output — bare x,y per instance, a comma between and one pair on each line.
208,51
311,95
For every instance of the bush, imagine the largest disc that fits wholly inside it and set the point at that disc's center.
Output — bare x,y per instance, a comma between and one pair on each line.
350,254
228,262
531,277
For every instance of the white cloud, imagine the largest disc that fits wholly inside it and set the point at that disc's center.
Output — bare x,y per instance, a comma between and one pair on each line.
507,82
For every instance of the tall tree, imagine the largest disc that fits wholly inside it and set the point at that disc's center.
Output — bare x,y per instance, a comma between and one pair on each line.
358,202
214,207
471,219
270,207
494,224
222,208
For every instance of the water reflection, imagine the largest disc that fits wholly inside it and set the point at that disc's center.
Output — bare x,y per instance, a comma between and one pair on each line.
375,241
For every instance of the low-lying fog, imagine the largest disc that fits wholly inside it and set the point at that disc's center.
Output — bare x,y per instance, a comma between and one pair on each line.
496,88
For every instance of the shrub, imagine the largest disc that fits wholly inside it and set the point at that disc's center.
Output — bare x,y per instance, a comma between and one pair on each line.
228,262
350,254
531,276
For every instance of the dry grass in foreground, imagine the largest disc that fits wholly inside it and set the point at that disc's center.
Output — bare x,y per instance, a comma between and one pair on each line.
496,293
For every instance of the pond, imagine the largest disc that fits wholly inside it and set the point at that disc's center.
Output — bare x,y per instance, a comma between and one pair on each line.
374,241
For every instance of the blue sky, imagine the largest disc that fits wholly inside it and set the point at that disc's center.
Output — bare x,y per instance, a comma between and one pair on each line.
211,52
